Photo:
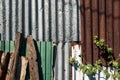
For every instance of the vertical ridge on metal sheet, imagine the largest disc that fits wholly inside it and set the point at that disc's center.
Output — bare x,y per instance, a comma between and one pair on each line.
13,20
3,45
46,20
40,23
1,19
95,28
102,22
7,20
0,46
66,61
26,16
102,19
60,61
116,27
53,19
109,21
59,18
73,19
20,11
88,33
7,46
11,45
55,63
33,18
43,54
82,17
66,20
48,60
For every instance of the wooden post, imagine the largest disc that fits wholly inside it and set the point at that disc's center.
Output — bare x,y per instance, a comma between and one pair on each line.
4,64
23,67
32,58
10,65
14,59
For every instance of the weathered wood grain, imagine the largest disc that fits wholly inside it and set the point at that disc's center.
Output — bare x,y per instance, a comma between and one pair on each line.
14,59
32,58
23,68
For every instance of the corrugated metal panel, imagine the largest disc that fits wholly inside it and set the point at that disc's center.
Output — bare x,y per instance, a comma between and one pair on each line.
44,56
61,61
45,20
100,17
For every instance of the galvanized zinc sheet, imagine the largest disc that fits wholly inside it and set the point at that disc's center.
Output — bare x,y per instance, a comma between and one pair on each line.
45,20
61,61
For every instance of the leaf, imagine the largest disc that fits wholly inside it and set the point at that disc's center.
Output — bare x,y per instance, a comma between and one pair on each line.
109,50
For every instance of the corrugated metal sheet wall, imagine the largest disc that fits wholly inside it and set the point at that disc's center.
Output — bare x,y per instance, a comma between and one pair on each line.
102,18
61,61
46,20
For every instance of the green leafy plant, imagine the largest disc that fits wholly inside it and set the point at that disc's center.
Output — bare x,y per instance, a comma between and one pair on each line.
92,69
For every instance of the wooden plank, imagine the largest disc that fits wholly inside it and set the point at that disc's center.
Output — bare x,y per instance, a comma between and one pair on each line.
95,28
23,67
116,25
32,57
14,58
48,60
88,33
10,65
2,61
4,64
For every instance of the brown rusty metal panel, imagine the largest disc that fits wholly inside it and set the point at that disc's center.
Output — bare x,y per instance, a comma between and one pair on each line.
116,25
88,33
95,27
109,26
102,24
32,58
83,38
102,19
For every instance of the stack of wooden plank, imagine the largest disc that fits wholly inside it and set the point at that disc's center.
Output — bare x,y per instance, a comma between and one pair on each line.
13,66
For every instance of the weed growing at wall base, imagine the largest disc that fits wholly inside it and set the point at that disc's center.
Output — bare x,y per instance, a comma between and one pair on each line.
92,69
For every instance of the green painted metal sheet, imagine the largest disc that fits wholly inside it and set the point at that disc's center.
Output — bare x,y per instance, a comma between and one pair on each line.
43,56
7,46
3,45
48,60
12,43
